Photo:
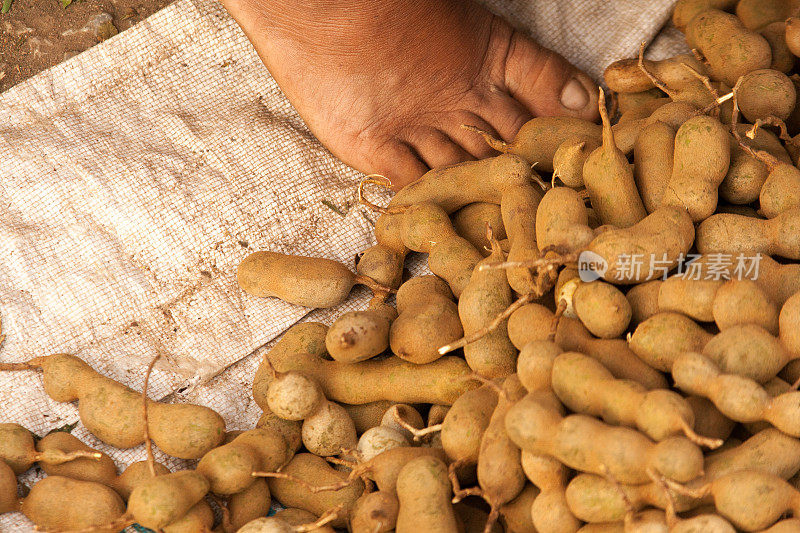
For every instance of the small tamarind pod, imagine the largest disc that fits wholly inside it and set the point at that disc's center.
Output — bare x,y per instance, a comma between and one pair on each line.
562,220
424,493
465,423
660,339
519,209
609,180
569,159
9,502
485,296
428,318
730,49
359,335
747,174
686,10
653,154
691,297
249,504
782,58
375,512
766,93
747,350
328,430
769,450
643,299
742,301
531,322
549,510
134,474
159,501
100,470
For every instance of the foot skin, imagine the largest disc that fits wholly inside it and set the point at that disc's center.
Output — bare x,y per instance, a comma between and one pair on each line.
385,86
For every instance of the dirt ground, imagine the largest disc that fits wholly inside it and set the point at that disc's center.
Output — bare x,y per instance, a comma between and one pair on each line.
37,34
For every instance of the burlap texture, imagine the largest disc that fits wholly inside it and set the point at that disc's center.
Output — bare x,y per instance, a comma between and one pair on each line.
137,175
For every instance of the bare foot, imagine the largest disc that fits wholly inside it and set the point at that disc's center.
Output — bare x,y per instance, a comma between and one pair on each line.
386,85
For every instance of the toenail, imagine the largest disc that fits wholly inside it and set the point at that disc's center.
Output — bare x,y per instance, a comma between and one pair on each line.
574,95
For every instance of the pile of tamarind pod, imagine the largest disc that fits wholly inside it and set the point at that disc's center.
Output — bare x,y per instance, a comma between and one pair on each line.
612,346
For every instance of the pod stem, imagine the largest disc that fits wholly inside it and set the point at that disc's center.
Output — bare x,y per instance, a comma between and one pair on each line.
491,326
355,473
57,457
698,493
659,480
148,443
660,85
326,518
562,306
608,133
494,514
495,143
707,442
373,285
416,432
543,262
386,183
31,364
459,493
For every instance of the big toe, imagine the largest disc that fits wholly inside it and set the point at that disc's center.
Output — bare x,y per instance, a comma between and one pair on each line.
546,83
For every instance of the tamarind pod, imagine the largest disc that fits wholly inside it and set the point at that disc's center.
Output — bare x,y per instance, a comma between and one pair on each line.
686,10
519,210
653,156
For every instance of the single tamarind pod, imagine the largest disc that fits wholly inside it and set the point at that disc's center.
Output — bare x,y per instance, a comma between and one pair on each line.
549,510
739,398
766,93
531,322
360,335
18,451
569,159
249,504
114,413
329,430
686,10
666,234
428,318
562,220
789,325
535,365
701,160
229,468
539,138
519,209
587,387
643,299
595,499
644,102
200,517
781,190
470,223
747,350
9,502
793,35
288,429
653,154
134,474
782,58
487,295
674,114
730,49
60,503
293,396
750,499
424,492
465,423
308,281
708,420
159,501
586,444
746,174
100,469
315,471
516,515
625,76
305,337
769,451
740,302
453,187
614,354
374,512
427,229
382,264
691,297
602,308
440,382
367,415
500,474
608,178
660,339
755,14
